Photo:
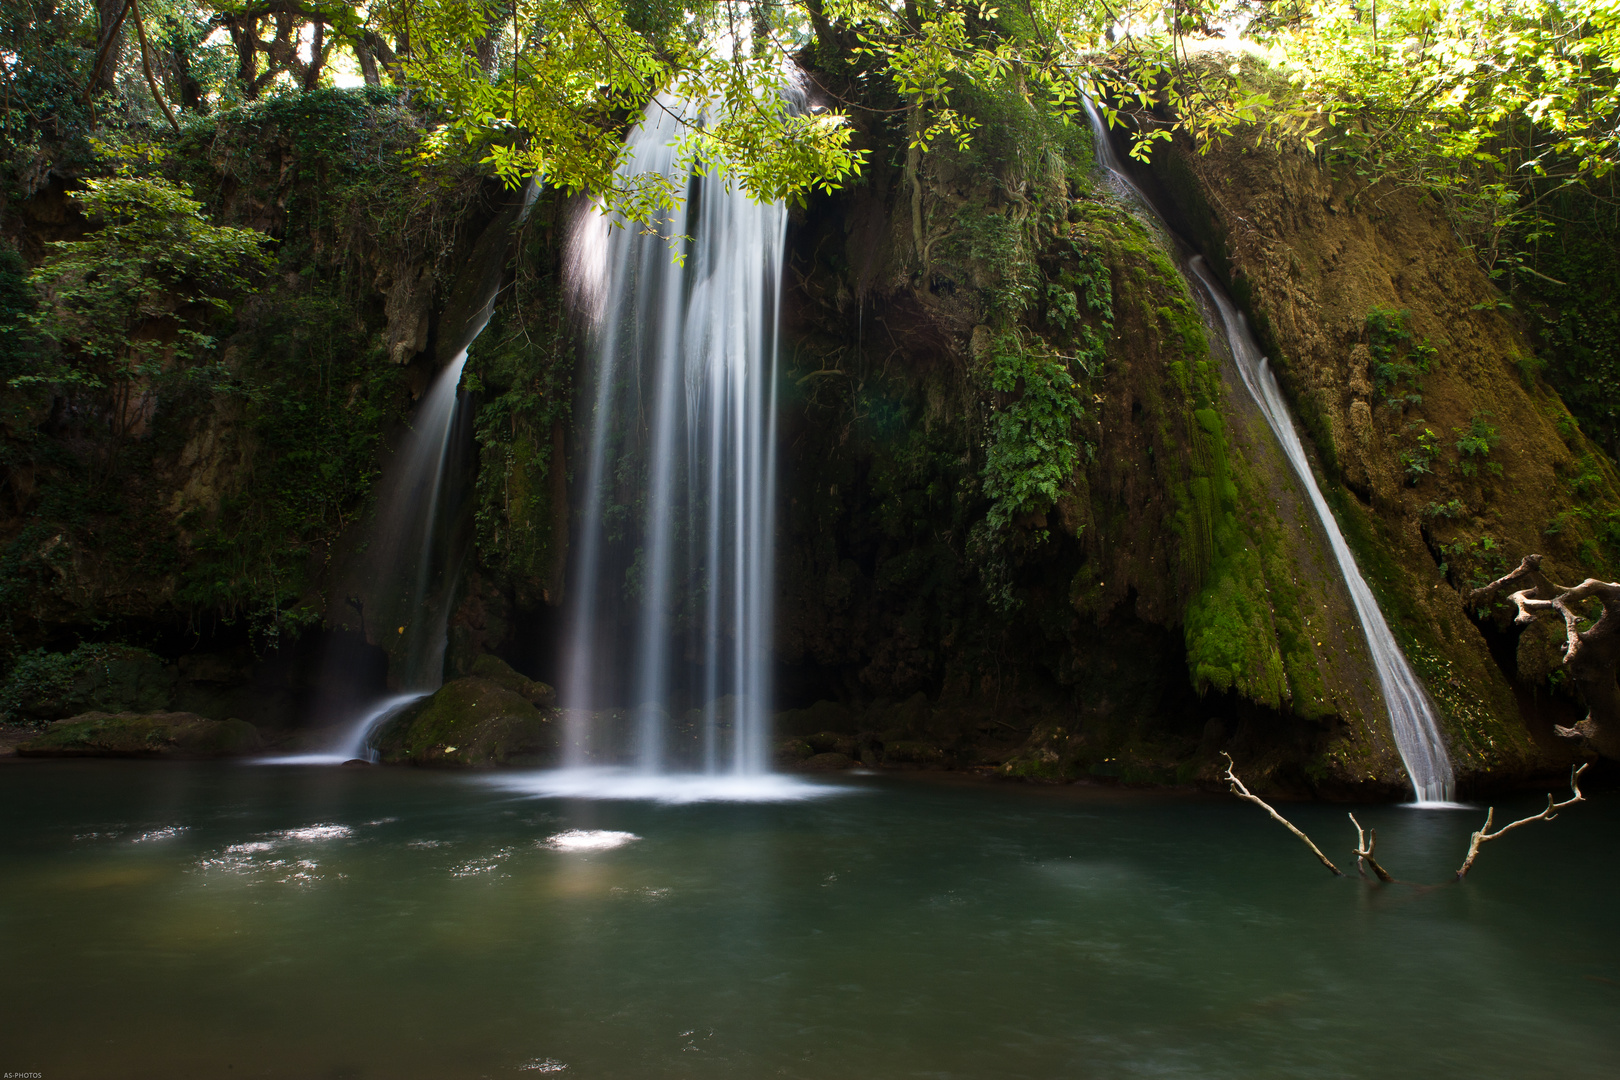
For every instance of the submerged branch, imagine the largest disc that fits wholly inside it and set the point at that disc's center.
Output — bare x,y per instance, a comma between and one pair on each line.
1243,793
1366,841
1484,835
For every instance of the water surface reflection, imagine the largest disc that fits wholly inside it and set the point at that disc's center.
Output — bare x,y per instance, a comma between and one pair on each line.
204,920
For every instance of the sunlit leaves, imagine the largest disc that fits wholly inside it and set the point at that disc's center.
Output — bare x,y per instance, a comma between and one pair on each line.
545,87
116,301
1482,103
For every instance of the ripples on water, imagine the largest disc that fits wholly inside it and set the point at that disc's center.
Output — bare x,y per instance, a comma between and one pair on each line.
207,921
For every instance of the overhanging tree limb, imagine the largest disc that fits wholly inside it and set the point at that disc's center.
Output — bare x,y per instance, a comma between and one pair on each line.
1591,656
146,66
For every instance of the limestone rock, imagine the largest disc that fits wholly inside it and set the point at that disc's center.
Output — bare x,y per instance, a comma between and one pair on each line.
92,678
1541,650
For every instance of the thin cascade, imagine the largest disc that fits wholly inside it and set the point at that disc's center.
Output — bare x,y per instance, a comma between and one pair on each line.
413,559
416,552
671,604
1411,717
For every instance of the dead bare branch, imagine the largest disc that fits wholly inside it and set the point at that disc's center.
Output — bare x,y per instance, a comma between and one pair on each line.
1485,836
1366,841
1243,793
1528,572
1591,656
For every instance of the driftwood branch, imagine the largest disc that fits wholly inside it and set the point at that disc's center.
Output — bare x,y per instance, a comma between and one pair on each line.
1527,575
1366,841
1485,836
1243,793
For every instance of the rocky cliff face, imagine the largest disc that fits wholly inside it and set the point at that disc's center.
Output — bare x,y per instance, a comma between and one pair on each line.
1419,384
1177,599
1031,522
1160,606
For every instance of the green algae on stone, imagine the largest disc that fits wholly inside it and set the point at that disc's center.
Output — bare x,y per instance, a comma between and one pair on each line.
44,685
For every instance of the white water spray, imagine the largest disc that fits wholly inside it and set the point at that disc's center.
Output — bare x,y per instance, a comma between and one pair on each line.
1411,719
685,354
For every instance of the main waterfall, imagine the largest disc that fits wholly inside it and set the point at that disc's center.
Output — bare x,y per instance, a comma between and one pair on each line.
671,594
1412,720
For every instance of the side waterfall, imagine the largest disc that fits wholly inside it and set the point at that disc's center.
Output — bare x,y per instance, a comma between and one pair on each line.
416,551
412,559
678,509
1411,719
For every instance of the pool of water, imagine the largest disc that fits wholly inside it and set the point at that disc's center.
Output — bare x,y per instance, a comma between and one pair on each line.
167,920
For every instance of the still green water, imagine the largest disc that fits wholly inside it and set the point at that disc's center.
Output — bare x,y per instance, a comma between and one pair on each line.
161,920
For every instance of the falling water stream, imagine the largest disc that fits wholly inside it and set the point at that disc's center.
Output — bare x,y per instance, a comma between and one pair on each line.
415,551
1412,720
671,608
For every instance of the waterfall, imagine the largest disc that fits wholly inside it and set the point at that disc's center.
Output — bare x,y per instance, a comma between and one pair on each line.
671,596
1411,718
416,548
415,554
412,560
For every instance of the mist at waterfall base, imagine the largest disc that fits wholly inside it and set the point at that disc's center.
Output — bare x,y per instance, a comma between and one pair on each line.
665,682
1412,720
211,920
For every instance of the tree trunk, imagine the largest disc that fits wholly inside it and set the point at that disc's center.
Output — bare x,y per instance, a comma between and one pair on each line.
317,57
109,43
185,80
109,46
827,50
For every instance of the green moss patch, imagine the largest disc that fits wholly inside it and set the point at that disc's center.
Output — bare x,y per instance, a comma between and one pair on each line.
44,685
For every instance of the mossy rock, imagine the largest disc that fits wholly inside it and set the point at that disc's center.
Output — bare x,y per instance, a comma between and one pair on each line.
165,734
91,678
822,716
827,742
499,671
912,752
473,722
1541,651
792,750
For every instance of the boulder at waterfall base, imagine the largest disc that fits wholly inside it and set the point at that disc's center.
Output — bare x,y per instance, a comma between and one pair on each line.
471,722
163,734
496,670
